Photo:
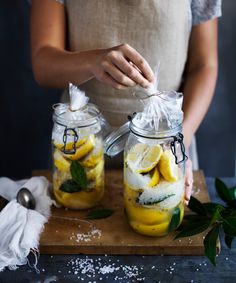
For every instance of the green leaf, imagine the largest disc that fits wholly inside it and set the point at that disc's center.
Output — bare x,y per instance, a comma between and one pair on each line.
210,243
222,190
193,228
155,201
229,226
70,186
233,192
78,174
196,206
228,241
99,213
211,207
216,215
174,223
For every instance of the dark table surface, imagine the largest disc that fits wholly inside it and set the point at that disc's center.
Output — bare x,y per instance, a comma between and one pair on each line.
150,269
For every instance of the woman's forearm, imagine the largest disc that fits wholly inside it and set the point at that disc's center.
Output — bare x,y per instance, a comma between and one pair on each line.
56,68
198,92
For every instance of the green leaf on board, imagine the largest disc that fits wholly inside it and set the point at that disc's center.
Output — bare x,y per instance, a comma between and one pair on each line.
99,213
193,228
78,174
222,190
70,186
175,219
210,243
196,206
228,241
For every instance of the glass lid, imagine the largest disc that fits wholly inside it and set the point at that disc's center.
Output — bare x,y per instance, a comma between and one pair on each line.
114,143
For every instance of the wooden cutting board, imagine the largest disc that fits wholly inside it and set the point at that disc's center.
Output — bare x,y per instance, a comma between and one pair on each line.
113,235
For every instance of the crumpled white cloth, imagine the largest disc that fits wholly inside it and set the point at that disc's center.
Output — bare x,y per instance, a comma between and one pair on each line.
20,227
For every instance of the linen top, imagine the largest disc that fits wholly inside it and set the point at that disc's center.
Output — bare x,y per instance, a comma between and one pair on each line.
159,30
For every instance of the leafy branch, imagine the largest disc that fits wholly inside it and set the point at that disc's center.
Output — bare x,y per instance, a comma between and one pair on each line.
213,217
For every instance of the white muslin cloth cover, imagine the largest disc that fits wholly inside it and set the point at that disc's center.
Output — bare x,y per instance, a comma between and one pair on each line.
20,227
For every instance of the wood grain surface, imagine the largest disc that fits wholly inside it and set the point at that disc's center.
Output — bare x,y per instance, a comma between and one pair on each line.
62,234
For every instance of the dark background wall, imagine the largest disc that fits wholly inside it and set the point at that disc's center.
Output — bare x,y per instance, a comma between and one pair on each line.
25,108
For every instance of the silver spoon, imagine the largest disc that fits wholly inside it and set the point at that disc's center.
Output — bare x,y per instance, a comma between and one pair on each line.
26,198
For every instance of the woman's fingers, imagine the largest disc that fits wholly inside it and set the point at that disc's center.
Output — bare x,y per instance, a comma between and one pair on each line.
139,61
188,181
120,62
121,66
117,75
107,79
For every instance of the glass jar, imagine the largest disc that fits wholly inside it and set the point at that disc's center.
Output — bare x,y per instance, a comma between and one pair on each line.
154,171
78,157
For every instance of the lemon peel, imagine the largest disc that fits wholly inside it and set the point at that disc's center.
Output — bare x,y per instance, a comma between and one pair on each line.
83,149
169,170
155,177
143,158
60,162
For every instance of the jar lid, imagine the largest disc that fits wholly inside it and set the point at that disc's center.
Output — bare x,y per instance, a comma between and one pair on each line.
84,117
115,141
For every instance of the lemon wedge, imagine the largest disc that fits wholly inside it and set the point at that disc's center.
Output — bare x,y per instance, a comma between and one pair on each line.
92,173
168,168
60,162
69,145
94,156
155,177
83,149
143,158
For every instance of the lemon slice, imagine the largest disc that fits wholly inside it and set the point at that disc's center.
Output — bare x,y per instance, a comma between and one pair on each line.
92,173
69,145
155,177
83,150
151,230
94,156
60,162
144,215
168,168
143,158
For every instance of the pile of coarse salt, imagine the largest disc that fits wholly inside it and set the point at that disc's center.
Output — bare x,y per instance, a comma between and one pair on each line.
98,268
88,236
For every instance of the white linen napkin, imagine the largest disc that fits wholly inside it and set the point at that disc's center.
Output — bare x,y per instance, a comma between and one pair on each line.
20,227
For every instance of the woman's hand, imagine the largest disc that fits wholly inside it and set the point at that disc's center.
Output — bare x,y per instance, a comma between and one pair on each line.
188,181
121,67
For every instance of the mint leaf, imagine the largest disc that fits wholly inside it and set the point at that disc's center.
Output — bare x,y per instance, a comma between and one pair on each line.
174,223
78,174
99,213
222,190
70,186
210,243
196,206
193,228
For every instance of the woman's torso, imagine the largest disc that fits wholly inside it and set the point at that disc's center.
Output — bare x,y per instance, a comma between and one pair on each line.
159,30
